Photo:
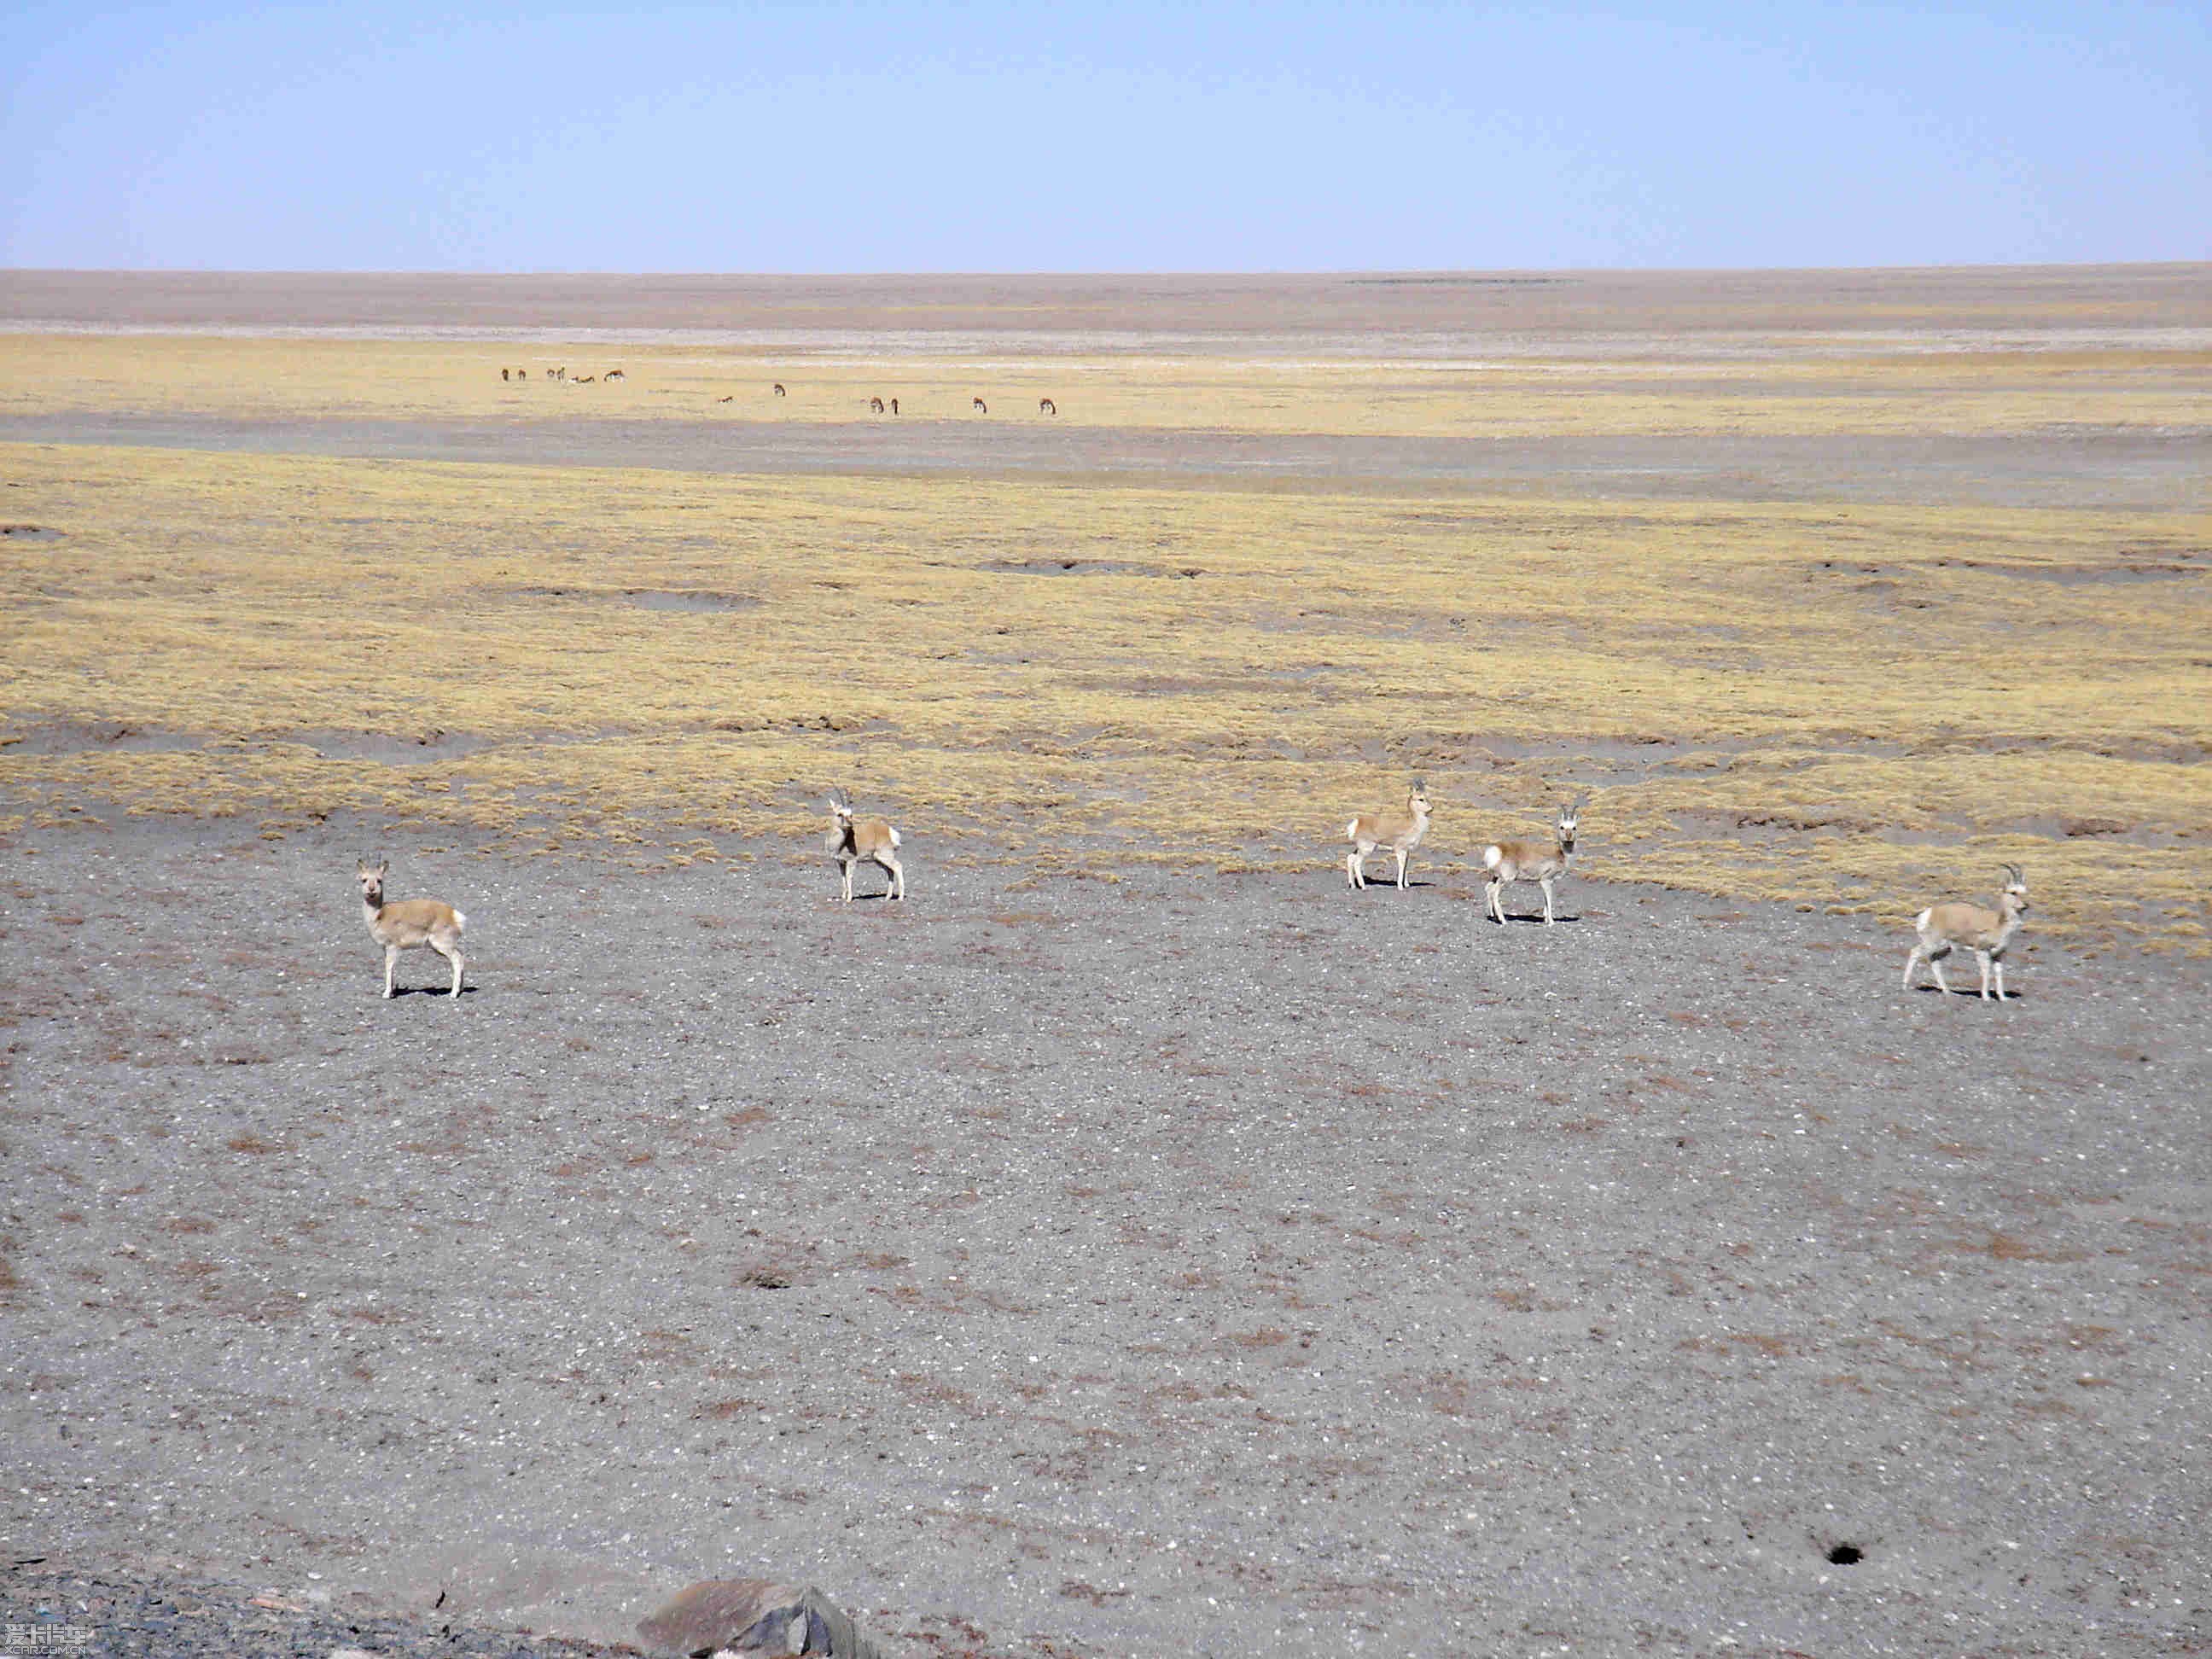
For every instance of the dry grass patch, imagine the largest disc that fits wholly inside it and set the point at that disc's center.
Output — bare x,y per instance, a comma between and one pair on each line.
1860,707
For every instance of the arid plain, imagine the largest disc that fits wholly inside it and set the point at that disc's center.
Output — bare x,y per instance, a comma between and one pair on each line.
1136,1241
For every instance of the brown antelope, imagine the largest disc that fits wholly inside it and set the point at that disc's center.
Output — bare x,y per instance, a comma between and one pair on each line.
852,839
1046,406
730,398
875,405
521,373
560,374
583,380
614,375
1508,861
894,405
777,388
980,406
1943,928
407,923
1400,832
503,374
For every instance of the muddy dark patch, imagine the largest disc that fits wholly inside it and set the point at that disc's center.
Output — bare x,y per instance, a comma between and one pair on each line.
29,532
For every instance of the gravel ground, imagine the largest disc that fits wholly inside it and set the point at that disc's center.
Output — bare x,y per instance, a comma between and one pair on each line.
1183,1263
2116,468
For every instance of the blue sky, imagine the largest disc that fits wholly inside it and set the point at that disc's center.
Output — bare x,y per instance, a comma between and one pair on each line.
1121,137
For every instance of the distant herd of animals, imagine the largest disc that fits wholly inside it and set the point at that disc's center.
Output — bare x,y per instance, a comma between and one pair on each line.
876,405
1939,930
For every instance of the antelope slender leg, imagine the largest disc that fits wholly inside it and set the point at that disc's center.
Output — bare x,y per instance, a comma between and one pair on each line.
1937,967
2000,968
1910,962
1984,958
391,961
1401,867
1546,885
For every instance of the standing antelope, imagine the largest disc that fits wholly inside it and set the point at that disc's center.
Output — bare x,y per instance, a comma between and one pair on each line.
894,405
407,923
1400,832
1986,932
1508,861
778,389
875,405
1046,406
852,839
502,374
980,407
614,375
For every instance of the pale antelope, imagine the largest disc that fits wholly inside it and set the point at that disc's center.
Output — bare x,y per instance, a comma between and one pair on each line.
1046,406
778,389
852,839
407,923
1400,832
1508,861
1986,932
875,405
980,406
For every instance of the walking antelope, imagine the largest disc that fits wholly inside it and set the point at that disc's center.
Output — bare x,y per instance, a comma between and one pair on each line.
980,407
1986,932
894,405
778,389
584,380
521,373
875,405
1046,406
852,839
730,398
1400,832
405,923
1508,861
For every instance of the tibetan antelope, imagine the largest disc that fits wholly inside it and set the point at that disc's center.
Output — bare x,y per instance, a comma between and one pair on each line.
560,374
894,405
1400,832
852,839
730,398
1046,406
614,375
583,380
875,405
777,388
521,373
980,406
1508,861
503,374
407,923
1986,932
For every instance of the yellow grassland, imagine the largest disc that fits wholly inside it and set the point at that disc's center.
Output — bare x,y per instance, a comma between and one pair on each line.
1859,707
1900,393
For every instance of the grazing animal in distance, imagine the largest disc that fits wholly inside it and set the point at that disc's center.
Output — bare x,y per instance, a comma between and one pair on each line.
875,405
1943,928
405,923
502,374
724,400
852,839
583,380
614,375
1046,406
777,388
521,373
1508,861
980,407
894,405
560,374
1400,832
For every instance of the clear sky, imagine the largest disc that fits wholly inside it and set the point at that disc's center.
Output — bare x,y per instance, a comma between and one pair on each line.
413,136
